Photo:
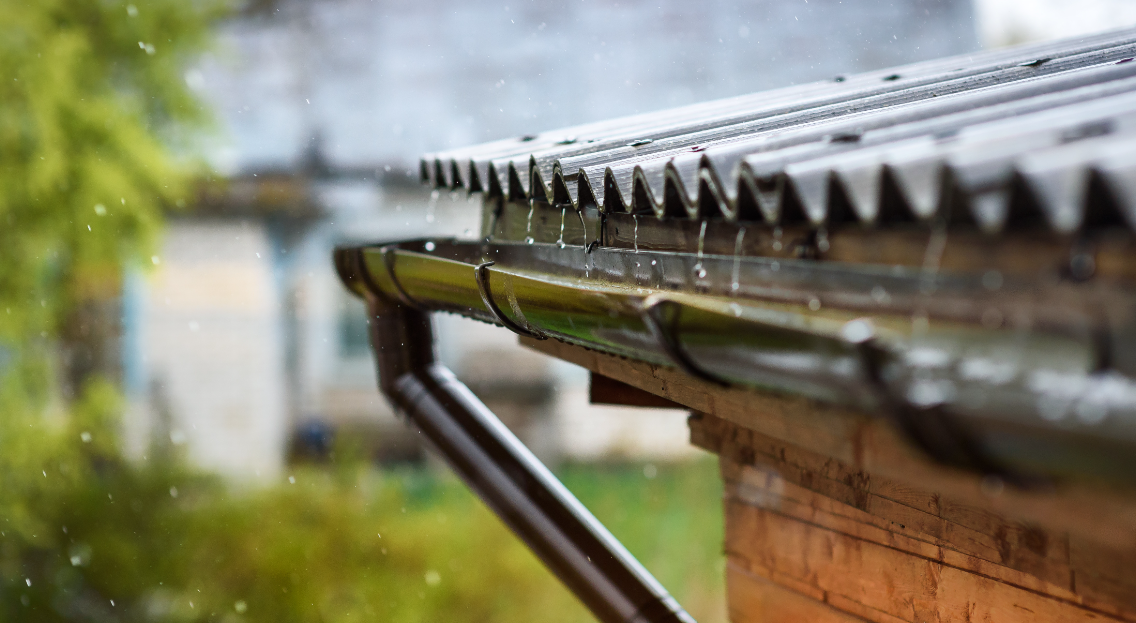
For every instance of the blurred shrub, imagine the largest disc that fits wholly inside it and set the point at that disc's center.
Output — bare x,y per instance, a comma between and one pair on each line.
92,105
86,536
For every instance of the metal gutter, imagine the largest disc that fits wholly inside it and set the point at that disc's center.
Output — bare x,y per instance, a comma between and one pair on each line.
1045,392
497,466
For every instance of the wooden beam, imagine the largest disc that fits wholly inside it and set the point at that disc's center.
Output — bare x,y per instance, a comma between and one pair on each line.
604,390
875,578
1092,515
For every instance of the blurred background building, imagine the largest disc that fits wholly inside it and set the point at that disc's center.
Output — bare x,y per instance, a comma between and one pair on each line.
241,344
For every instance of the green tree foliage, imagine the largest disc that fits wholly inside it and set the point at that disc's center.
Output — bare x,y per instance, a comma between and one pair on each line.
91,101
92,105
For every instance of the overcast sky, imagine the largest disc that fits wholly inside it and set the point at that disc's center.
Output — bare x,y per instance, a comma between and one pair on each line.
1006,22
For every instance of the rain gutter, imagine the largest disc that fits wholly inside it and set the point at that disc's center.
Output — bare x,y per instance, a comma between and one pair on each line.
497,466
1044,392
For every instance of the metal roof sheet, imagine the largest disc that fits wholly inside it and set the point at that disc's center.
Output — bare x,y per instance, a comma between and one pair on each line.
1038,134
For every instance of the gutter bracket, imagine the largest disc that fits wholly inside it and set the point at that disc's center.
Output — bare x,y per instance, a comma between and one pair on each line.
481,274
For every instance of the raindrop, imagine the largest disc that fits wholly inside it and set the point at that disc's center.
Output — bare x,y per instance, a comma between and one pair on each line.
822,244
433,578
241,607
992,318
992,280
173,492
858,331
992,486
292,479
76,561
635,237
698,269
560,241
100,209
28,580
653,262
528,225
429,246
432,206
814,303
734,285
85,436
155,260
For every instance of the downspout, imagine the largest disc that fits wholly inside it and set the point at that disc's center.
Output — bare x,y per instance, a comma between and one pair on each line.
573,544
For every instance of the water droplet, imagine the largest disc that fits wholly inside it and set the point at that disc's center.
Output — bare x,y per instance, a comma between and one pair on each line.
857,331
698,269
635,237
992,486
529,240
173,492
880,295
992,280
734,284
241,607
653,262
292,479
85,436
560,241
814,303
100,209
433,578
432,206
429,246
528,225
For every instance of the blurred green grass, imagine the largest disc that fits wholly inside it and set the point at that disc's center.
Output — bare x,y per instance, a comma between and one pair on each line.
88,536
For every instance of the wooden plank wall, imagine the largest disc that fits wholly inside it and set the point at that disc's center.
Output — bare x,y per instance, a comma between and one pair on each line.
803,532
831,516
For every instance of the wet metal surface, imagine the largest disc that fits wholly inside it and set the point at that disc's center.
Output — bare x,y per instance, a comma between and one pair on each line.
1018,364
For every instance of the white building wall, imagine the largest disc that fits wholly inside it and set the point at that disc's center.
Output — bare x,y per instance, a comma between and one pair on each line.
211,356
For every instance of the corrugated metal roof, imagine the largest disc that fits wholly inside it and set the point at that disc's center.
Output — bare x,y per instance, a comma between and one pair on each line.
1041,133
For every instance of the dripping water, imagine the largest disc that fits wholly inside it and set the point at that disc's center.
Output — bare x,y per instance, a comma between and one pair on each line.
583,226
698,268
776,238
432,206
560,241
734,285
493,224
528,225
635,218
